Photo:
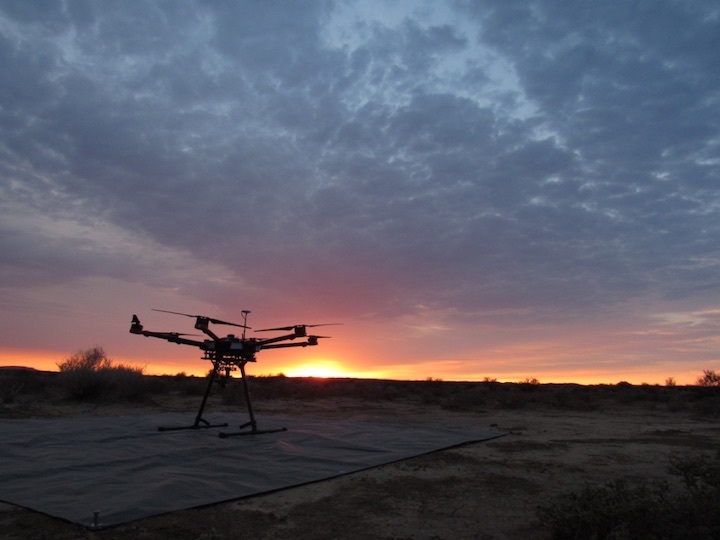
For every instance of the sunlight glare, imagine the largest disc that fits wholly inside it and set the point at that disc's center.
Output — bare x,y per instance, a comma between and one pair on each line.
318,368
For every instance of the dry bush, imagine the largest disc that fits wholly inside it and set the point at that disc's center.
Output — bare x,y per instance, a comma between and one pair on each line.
477,396
12,386
90,376
93,359
709,378
707,405
621,510
25,385
190,386
573,398
467,399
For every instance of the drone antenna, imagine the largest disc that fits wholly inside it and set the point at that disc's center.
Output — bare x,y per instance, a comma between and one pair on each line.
245,313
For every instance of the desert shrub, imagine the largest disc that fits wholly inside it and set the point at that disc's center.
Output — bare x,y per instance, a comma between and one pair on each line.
709,378
271,386
511,397
11,386
695,511
157,384
192,386
619,510
529,383
232,393
385,391
574,399
312,388
18,384
128,383
615,510
260,388
707,406
93,359
625,393
701,400
430,391
700,473
90,375
305,388
653,393
466,399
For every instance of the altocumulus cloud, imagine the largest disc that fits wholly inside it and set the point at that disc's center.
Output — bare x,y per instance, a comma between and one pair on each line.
401,160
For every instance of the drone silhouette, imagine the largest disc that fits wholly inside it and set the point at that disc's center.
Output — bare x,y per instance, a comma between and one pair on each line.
228,354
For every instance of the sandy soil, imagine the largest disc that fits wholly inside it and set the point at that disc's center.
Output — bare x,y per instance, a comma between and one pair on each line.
487,490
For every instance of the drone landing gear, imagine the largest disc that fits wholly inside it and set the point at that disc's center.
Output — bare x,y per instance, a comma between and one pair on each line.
253,431
252,424
201,423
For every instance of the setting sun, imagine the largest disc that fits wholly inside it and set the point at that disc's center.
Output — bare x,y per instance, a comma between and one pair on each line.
319,368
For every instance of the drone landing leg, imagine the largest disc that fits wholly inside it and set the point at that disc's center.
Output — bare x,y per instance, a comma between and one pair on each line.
200,422
252,424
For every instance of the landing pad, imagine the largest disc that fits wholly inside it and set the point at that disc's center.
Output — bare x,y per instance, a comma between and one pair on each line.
99,472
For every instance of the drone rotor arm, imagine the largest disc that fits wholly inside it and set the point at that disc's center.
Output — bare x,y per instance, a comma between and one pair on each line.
265,342
172,337
286,345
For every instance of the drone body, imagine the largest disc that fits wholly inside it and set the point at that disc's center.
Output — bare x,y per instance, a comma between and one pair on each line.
228,354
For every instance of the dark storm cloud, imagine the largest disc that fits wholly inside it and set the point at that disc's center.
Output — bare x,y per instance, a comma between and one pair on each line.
506,156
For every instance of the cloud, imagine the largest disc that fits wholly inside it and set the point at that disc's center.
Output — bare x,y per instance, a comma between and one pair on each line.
469,157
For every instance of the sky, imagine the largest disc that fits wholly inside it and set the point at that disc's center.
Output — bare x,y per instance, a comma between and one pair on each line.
472,188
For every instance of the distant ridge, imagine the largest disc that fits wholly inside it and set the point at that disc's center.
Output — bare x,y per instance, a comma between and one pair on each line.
18,368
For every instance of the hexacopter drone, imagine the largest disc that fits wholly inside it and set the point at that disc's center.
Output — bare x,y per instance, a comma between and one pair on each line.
228,354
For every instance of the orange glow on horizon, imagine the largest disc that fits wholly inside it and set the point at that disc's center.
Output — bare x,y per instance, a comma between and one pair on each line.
40,360
321,367
324,369
49,360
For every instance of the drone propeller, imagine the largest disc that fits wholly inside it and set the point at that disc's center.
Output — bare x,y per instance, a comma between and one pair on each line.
175,334
293,327
214,321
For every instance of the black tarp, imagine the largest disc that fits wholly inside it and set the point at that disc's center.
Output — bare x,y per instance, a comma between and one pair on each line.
124,469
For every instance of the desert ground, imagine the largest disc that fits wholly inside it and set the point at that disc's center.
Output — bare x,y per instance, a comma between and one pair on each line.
559,439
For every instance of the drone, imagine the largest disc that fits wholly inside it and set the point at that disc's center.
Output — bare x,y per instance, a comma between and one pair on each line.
228,354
